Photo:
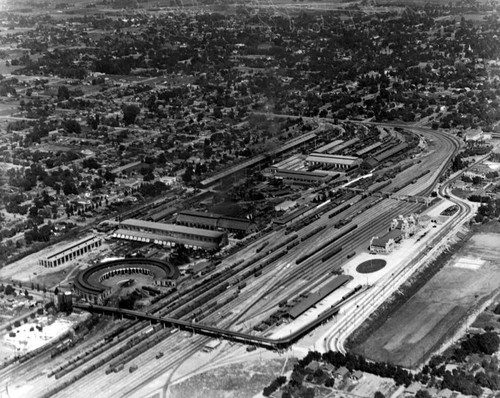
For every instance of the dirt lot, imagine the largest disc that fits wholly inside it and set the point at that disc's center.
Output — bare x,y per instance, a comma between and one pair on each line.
434,312
236,380
28,270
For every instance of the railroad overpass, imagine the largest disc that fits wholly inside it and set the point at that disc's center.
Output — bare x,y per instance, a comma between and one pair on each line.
265,342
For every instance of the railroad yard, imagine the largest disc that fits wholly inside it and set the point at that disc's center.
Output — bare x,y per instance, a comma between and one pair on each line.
257,286
214,229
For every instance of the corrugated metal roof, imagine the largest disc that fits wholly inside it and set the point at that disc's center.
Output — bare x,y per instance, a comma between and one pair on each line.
368,149
334,159
151,237
197,218
390,152
285,172
314,298
234,223
170,228
345,145
213,220
329,146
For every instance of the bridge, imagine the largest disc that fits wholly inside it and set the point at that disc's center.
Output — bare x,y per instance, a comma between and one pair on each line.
265,342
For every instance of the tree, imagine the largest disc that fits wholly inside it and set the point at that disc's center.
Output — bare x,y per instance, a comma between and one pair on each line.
188,175
207,151
69,187
62,93
423,394
91,163
9,290
217,113
130,113
330,382
378,394
476,180
71,126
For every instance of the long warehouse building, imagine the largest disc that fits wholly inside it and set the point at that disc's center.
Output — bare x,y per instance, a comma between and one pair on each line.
215,222
342,162
291,177
71,252
170,234
316,297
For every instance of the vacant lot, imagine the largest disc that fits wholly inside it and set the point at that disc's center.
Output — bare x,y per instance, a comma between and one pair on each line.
238,380
433,313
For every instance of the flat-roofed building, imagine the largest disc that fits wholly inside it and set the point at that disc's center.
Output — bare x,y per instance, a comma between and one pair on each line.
170,234
71,252
301,177
213,222
326,160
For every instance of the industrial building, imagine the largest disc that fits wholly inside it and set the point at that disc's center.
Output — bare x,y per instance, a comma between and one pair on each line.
370,148
215,222
299,212
329,147
262,160
338,161
291,177
70,253
170,234
345,145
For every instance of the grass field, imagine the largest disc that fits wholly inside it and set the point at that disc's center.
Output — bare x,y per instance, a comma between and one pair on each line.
425,321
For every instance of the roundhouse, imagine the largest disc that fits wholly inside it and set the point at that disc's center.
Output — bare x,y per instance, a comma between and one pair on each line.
88,283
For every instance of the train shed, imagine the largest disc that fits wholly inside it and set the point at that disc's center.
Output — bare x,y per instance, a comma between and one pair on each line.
316,297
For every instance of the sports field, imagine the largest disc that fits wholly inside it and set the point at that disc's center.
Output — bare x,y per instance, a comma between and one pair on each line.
435,312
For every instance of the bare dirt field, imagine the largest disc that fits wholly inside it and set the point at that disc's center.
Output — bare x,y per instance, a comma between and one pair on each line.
422,324
243,380
27,270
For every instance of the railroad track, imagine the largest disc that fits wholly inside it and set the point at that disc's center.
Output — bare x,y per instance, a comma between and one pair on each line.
387,287
277,276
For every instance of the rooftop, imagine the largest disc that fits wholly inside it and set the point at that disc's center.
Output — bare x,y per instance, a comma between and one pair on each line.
335,159
395,234
314,298
170,228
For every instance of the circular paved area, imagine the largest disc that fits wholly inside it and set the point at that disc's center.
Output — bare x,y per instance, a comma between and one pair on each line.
371,266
